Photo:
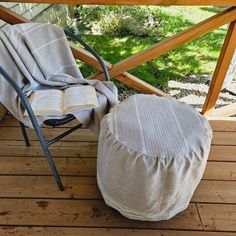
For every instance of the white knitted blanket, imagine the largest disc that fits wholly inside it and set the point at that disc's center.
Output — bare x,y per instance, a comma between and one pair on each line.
37,55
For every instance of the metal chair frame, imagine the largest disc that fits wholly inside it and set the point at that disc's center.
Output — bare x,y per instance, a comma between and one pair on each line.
52,122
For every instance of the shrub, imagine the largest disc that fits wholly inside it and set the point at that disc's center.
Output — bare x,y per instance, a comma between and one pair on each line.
117,21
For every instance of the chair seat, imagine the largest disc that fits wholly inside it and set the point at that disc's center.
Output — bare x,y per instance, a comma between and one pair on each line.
59,122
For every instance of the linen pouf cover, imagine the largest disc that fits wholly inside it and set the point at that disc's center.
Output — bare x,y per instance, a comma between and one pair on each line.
152,153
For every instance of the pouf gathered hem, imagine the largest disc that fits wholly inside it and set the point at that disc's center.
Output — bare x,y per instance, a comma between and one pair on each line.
134,215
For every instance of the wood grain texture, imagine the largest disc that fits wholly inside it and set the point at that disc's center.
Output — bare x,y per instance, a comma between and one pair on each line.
137,2
43,187
220,137
29,196
220,171
76,231
224,138
221,70
218,217
38,166
88,149
215,192
223,123
14,133
223,153
89,213
59,149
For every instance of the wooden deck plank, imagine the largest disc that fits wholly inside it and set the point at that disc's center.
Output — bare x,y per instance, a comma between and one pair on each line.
223,123
45,187
66,231
88,149
14,133
60,149
223,153
51,231
86,188
224,138
218,217
215,192
220,171
217,123
29,195
87,167
39,166
87,213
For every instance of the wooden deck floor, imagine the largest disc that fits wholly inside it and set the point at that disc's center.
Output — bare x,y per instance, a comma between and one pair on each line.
30,203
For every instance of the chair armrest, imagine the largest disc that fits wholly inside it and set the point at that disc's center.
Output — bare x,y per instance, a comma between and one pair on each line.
92,51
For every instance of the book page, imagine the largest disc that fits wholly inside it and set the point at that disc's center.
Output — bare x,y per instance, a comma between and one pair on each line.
47,102
80,98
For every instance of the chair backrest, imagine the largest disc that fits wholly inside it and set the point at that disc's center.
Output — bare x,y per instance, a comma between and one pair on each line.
25,101
91,50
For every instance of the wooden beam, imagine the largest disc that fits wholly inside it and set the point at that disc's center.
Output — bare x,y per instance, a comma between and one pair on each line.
139,84
173,42
136,2
81,54
126,78
11,17
88,58
221,70
229,110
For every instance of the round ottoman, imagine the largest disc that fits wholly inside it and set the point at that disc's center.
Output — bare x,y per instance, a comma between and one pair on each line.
152,153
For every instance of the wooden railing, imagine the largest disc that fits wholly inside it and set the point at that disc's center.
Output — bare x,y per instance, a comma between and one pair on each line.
138,2
119,70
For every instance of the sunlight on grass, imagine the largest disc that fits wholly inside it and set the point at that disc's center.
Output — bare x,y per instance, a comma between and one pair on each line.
196,57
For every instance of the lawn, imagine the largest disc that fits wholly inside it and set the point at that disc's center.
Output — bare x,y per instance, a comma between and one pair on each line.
119,32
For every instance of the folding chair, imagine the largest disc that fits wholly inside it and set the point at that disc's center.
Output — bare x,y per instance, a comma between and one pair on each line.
51,122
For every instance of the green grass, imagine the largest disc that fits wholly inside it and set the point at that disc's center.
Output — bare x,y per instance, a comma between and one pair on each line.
196,57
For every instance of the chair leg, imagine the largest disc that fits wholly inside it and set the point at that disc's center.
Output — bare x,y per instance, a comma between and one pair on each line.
52,166
23,130
35,124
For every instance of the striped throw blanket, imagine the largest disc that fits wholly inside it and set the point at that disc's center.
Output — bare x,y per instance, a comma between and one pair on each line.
37,55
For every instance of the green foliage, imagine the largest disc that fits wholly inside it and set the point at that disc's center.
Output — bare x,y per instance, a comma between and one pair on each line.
119,32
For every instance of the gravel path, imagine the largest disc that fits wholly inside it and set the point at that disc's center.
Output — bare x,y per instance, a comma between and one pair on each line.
193,91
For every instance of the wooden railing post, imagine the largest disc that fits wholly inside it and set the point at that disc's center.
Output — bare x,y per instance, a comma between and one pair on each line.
221,70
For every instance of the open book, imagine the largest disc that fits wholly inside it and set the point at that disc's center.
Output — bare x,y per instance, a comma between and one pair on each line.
57,102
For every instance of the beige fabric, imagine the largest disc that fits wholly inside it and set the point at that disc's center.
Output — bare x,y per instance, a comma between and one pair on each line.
37,55
151,156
